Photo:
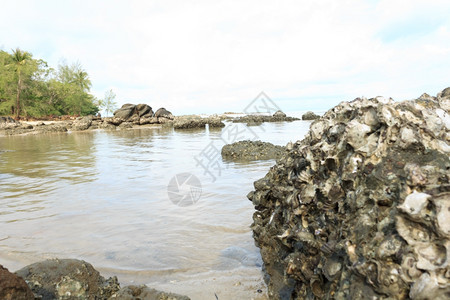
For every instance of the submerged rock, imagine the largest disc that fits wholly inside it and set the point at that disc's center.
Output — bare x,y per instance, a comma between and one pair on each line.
360,209
309,115
143,292
252,150
67,279
12,287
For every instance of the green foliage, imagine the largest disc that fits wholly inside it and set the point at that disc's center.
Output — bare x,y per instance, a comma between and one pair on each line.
29,87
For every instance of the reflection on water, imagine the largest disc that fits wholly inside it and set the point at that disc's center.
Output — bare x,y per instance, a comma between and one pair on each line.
102,196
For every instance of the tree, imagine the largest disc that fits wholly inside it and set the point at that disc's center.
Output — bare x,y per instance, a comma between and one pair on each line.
81,79
29,87
20,59
108,103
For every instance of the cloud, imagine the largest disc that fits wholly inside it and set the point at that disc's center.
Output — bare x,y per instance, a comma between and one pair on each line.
212,56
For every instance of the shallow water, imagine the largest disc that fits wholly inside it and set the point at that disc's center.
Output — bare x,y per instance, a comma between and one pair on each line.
102,196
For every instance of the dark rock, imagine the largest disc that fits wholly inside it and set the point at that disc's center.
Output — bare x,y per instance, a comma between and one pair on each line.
67,279
280,114
132,113
12,287
252,150
125,111
143,292
359,209
164,113
308,116
144,110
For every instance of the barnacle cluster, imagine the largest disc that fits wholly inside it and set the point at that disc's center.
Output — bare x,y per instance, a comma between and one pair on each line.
360,209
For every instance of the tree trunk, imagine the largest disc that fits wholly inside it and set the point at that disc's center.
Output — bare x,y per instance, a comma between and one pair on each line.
18,98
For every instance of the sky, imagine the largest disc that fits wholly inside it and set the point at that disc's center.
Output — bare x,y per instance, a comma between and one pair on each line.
217,56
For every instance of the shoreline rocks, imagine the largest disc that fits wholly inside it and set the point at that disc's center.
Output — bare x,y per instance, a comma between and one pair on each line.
70,279
359,209
131,116
252,150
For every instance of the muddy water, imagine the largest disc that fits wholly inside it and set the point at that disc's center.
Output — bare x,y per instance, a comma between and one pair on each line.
102,197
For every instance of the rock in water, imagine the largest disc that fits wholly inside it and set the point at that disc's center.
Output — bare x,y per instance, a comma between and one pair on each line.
252,150
67,279
280,114
309,115
360,209
12,287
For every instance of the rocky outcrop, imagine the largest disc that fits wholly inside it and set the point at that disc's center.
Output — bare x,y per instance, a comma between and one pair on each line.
309,115
360,209
252,150
189,122
143,292
128,112
258,119
67,278
140,114
12,287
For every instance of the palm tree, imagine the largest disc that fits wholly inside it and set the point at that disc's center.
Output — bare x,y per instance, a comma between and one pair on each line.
81,79
20,59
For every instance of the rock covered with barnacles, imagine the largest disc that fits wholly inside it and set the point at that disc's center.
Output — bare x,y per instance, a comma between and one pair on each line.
360,209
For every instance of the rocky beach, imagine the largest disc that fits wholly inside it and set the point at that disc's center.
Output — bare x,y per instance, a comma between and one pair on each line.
358,209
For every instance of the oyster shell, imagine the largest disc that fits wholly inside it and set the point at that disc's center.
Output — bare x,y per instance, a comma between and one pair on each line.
361,207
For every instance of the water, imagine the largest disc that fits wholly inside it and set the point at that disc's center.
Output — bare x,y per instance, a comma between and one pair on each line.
102,196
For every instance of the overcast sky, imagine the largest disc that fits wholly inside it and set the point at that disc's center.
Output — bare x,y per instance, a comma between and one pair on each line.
216,56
